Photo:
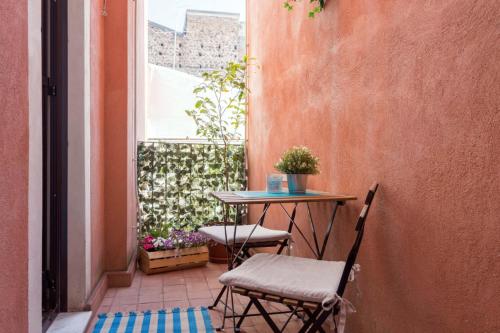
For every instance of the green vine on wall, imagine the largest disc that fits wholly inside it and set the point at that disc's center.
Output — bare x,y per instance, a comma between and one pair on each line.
319,5
175,181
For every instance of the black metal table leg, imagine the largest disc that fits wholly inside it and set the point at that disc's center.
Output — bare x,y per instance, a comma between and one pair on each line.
329,229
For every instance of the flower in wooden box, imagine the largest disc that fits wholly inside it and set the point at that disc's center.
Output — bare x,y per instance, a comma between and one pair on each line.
180,249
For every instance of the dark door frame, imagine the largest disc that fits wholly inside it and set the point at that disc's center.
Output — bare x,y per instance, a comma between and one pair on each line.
55,157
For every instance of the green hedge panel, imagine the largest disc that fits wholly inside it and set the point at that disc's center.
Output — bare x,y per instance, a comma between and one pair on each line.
175,180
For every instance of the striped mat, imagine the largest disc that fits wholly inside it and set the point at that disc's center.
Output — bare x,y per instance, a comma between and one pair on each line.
175,321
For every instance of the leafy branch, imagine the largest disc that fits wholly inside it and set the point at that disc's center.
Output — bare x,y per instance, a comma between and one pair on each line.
319,5
219,111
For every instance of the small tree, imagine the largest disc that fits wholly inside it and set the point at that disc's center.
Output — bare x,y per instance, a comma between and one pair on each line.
219,110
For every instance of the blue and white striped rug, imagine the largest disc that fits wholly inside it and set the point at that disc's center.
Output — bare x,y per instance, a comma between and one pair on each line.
175,321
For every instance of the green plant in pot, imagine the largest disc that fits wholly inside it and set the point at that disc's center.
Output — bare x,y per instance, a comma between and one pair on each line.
220,114
297,163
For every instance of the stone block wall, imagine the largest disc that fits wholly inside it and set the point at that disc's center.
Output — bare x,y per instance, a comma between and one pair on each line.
210,40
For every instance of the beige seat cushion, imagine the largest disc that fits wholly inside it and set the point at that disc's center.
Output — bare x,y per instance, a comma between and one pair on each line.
260,234
291,277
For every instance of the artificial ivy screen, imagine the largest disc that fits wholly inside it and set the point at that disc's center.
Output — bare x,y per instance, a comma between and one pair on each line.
175,180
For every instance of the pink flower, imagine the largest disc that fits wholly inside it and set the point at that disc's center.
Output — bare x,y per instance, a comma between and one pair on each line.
147,247
148,239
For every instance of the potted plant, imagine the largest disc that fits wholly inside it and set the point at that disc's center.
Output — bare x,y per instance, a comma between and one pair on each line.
220,114
179,249
297,163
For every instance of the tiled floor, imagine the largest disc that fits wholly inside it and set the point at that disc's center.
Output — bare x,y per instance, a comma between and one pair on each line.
191,287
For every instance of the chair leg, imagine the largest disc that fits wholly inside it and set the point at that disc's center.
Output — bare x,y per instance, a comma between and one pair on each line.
317,324
217,299
221,328
266,316
244,314
309,313
311,320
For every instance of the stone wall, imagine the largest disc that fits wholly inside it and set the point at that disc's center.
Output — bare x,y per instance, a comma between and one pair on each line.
209,41
160,45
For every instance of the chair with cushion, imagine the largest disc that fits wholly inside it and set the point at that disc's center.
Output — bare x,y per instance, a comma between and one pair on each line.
312,286
242,238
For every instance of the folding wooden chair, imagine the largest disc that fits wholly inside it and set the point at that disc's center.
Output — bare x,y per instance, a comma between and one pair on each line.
313,286
240,239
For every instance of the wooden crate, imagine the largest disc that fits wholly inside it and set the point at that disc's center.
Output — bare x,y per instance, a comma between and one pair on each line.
171,260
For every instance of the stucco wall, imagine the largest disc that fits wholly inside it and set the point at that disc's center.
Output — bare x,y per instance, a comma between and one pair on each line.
112,139
97,92
14,152
405,93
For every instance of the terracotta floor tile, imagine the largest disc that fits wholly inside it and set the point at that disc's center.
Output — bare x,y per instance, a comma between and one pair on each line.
171,281
175,295
168,288
197,286
263,328
200,302
123,308
103,309
214,284
158,290
179,273
215,291
193,272
182,304
150,298
153,306
136,283
212,274
111,292
152,283
127,292
125,300
107,301
195,279
199,294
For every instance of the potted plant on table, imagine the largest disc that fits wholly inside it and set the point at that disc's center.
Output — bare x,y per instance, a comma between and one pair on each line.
177,250
297,163
220,114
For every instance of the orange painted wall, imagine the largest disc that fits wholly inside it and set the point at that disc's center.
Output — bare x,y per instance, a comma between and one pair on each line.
14,150
113,206
115,137
97,153
406,93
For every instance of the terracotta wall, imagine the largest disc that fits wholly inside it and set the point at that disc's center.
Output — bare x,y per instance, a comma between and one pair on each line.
115,137
112,127
405,93
14,135
97,86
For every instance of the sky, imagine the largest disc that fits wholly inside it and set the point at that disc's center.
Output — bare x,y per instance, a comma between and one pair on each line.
171,13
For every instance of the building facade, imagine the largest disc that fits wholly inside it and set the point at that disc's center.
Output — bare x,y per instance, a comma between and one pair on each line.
208,41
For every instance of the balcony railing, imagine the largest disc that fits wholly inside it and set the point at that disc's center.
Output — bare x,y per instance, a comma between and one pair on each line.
175,178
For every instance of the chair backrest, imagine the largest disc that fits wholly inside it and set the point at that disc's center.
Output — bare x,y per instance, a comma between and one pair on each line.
360,227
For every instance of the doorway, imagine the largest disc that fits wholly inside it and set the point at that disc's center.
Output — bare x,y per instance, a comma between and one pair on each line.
55,124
